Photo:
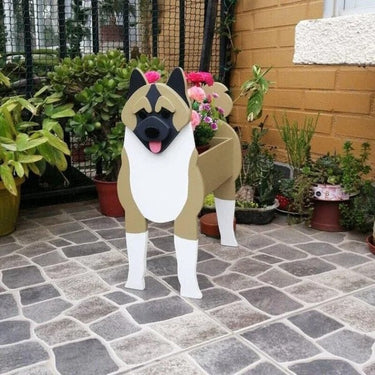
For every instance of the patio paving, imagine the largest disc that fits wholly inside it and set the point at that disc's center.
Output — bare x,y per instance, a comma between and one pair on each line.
288,300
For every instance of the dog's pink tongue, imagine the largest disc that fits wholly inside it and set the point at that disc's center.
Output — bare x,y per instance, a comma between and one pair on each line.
155,146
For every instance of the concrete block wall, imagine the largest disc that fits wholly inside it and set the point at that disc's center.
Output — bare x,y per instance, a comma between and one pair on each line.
344,95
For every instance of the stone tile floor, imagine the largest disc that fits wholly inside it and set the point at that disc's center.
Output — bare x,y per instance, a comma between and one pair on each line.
288,300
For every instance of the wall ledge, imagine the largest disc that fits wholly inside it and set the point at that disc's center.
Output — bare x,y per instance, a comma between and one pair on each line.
338,40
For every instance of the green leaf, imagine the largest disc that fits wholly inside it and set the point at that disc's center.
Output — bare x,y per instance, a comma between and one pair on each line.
254,106
18,168
29,143
8,179
56,142
26,158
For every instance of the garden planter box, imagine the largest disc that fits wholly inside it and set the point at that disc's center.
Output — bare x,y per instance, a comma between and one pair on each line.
258,216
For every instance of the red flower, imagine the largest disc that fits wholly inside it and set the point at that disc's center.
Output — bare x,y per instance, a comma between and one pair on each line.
199,78
152,76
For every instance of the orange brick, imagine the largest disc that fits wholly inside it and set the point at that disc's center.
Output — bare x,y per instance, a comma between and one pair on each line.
244,21
315,10
284,98
286,36
356,79
317,78
282,16
277,57
355,127
258,4
320,145
259,39
338,101
245,59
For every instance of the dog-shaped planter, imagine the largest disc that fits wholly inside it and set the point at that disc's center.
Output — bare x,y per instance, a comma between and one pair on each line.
163,179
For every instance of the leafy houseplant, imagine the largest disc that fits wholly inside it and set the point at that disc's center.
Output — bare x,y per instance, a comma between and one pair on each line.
26,146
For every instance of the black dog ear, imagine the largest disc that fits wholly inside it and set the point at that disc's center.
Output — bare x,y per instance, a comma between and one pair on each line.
177,82
137,80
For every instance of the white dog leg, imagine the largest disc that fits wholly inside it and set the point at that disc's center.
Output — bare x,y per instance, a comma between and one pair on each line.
187,255
225,215
136,244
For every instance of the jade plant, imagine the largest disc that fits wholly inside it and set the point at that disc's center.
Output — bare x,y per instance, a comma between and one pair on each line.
97,86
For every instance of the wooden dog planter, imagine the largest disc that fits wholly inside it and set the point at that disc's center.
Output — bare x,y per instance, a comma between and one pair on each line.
163,179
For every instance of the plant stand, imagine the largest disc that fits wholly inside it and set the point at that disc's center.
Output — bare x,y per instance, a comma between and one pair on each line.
326,216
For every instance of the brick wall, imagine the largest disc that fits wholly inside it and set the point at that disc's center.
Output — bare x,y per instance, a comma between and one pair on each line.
343,95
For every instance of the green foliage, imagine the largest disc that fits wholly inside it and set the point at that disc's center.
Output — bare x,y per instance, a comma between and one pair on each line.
255,88
297,139
30,137
97,86
203,135
359,212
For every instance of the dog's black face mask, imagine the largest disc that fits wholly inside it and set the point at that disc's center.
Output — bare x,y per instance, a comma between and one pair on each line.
156,125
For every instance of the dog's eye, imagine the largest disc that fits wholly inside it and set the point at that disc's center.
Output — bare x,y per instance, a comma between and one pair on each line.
165,113
142,114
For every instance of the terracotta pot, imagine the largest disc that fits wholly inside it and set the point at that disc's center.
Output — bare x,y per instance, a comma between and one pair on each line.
326,216
202,148
9,208
108,198
371,243
209,226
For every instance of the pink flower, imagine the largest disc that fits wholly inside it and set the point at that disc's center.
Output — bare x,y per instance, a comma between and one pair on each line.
195,119
196,93
207,78
195,77
152,76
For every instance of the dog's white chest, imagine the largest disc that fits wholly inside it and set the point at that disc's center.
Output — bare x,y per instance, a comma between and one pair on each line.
159,182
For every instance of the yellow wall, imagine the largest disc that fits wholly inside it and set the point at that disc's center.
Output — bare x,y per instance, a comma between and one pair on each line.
343,95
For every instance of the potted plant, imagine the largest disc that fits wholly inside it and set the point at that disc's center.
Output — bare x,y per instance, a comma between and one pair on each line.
335,179
257,184
27,146
97,86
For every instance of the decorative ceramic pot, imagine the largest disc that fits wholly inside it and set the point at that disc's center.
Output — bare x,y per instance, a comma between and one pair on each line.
108,198
258,216
326,215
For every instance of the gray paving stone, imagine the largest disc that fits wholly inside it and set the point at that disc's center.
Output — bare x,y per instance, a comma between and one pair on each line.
86,214
331,237
204,255
54,257
249,267
8,306
367,269
277,278
110,234
119,243
157,310
81,236
12,331
54,220
212,267
355,246
60,331
315,324
347,281
47,310
270,300
82,286
120,298
23,276
311,292
5,240
367,296
203,282
114,275
85,249
42,369
180,365
227,253
64,270
189,330
38,293
284,251
354,312
282,343
319,248
264,368
238,315
267,259
36,249
114,326
64,228
84,358
31,236
163,266
347,259
289,236
59,242
9,248
350,345
215,297
370,369
153,289
254,242
12,261
324,366
101,222
235,281
19,355
103,260
92,309
228,356
307,267
141,347
165,243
